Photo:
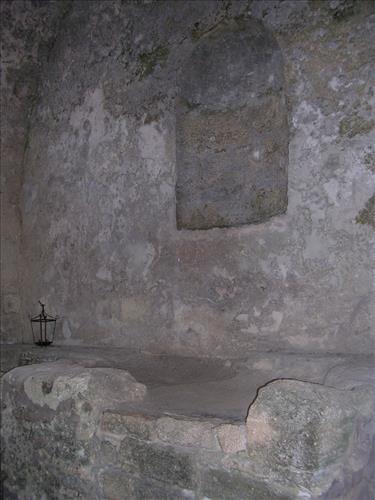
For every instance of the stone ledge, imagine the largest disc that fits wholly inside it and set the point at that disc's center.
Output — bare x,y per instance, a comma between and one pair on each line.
95,431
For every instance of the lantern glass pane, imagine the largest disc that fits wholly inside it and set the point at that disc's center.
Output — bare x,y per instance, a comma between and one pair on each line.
43,328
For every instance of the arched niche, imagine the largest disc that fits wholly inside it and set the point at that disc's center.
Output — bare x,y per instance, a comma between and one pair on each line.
231,129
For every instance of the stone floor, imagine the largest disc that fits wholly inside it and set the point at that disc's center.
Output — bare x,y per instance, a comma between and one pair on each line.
192,418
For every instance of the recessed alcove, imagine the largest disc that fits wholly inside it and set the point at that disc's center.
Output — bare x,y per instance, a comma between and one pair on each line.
231,129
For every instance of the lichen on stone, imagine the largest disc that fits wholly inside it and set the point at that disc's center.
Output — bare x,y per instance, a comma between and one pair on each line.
150,59
355,125
344,10
367,214
369,160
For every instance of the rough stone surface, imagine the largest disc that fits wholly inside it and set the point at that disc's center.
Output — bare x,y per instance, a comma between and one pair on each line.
104,446
187,433
118,485
307,434
232,486
54,410
134,425
50,384
191,387
231,129
98,199
367,214
91,105
28,30
162,463
232,438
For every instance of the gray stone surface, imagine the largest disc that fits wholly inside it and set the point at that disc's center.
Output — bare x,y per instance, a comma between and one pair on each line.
133,425
91,143
233,486
232,438
118,485
204,387
27,32
310,435
231,129
106,445
100,243
162,463
50,384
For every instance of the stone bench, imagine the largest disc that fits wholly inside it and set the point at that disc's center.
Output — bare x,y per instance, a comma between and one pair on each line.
73,428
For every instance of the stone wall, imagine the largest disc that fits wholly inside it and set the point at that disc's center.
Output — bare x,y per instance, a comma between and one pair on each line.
27,32
100,241
300,439
231,129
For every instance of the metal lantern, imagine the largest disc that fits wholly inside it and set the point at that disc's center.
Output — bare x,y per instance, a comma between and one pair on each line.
43,327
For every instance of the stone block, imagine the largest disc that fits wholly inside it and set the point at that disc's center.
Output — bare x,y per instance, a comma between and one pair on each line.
50,384
232,130
187,433
306,434
232,438
219,484
118,485
53,410
108,453
163,463
136,425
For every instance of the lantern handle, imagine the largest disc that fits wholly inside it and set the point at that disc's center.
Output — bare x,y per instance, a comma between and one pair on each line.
42,313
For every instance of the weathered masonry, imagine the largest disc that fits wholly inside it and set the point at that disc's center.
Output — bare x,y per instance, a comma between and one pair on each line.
231,129
188,185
